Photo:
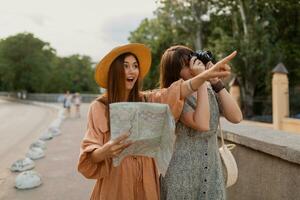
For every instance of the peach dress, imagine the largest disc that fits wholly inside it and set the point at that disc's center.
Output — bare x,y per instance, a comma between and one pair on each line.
136,178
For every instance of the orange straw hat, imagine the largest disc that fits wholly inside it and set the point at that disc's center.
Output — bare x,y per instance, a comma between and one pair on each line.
142,53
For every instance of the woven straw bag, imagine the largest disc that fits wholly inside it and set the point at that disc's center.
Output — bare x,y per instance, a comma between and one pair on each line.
229,163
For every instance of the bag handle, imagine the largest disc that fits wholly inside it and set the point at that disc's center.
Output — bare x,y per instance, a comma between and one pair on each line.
221,131
229,146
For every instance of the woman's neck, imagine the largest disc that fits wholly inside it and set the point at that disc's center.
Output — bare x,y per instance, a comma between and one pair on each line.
127,92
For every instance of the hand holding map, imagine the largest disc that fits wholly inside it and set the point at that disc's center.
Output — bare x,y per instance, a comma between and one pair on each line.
151,127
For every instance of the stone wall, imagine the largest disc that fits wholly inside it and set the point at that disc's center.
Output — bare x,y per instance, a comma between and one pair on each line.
268,161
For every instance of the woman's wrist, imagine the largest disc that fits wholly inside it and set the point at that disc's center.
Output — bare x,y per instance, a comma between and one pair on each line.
190,86
98,155
198,80
214,80
218,86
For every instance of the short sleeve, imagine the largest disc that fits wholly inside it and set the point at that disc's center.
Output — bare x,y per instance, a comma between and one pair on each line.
96,135
170,96
187,108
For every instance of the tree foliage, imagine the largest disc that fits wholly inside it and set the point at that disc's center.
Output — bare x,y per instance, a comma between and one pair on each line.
28,63
264,33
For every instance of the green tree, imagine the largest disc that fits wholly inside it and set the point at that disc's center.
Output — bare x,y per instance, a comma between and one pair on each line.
74,73
28,63
264,33
24,63
155,33
260,31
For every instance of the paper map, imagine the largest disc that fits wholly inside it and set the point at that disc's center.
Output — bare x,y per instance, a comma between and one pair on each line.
151,127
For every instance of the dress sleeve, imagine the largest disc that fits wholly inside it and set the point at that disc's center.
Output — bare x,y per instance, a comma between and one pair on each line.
187,107
170,96
96,135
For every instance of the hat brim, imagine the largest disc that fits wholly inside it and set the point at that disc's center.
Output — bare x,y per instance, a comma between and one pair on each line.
142,53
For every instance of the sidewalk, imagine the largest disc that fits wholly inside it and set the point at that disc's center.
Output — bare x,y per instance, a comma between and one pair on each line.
59,168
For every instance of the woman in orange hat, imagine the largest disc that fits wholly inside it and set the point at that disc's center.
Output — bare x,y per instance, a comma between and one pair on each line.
121,72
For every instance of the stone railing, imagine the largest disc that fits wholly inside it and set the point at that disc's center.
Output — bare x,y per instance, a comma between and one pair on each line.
290,124
268,161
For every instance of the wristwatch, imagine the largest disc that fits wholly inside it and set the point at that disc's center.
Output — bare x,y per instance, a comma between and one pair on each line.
217,87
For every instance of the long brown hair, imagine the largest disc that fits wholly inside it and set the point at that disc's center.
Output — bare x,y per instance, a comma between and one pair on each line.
116,88
171,63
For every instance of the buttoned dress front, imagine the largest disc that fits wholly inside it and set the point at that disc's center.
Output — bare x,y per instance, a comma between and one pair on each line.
195,170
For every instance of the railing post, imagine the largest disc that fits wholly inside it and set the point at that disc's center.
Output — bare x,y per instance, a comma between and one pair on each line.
280,95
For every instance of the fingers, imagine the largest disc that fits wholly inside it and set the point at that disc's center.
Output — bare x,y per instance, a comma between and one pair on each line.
121,145
227,67
222,74
199,62
209,65
224,67
120,138
117,149
228,58
192,61
219,70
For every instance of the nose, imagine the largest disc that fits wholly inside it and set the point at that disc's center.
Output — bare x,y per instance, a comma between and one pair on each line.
131,68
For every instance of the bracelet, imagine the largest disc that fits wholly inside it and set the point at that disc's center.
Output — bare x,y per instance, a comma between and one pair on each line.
217,87
190,85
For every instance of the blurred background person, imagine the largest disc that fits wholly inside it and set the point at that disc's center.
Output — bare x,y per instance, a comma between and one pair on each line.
77,103
67,103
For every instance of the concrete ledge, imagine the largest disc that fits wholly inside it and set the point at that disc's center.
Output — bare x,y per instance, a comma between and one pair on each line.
290,124
280,144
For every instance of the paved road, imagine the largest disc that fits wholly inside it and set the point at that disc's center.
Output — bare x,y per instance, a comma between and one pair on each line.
58,169
20,125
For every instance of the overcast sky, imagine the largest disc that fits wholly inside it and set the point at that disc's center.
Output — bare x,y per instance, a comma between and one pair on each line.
89,27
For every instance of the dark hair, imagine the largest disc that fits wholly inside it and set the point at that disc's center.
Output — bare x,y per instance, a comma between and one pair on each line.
116,88
116,79
171,63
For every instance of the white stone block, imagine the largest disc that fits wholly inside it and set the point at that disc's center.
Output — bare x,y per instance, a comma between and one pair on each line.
54,131
39,143
35,153
22,165
47,135
28,179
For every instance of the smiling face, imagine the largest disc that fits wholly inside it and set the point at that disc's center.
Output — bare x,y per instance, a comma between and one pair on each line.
131,70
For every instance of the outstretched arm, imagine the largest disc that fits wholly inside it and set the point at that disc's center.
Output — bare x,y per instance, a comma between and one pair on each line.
230,109
220,69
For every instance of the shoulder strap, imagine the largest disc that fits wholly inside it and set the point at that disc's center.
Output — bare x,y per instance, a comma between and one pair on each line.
222,137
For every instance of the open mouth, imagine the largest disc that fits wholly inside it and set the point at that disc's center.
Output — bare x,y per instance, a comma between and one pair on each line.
130,79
